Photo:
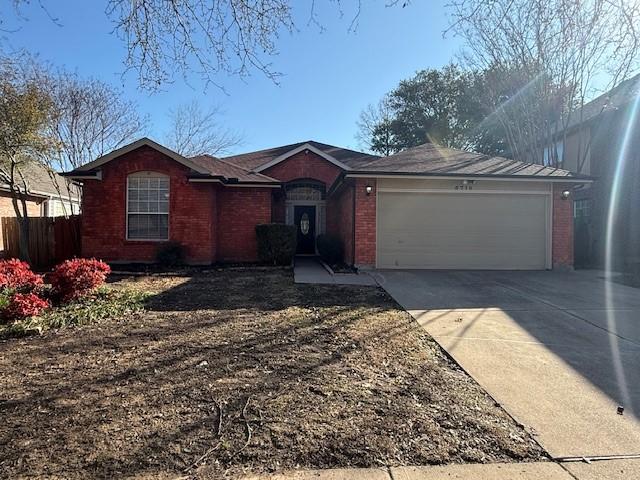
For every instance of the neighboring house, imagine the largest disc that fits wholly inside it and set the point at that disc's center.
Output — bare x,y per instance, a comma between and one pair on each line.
592,144
426,207
50,195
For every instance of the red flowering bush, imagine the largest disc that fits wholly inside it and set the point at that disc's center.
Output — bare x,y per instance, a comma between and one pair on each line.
75,278
24,305
17,275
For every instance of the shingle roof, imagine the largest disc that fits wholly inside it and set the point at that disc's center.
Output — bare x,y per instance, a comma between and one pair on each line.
230,172
200,167
42,182
426,160
254,160
430,159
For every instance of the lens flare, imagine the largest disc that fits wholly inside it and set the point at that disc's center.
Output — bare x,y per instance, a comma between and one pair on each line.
612,214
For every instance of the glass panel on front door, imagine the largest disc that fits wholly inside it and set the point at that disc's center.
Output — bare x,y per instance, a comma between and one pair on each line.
304,217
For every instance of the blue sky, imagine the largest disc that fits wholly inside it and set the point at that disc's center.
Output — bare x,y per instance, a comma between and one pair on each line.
329,76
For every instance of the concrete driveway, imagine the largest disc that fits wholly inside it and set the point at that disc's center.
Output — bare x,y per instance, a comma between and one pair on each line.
548,346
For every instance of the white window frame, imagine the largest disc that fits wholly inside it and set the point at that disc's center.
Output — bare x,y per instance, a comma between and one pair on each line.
585,205
147,174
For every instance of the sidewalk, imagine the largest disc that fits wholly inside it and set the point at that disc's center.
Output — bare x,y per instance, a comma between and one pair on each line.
498,471
309,270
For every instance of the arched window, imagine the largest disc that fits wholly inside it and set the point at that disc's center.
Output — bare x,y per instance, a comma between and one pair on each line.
308,190
147,206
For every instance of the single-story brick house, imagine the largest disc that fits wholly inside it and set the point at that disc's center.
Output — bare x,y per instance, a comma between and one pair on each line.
425,207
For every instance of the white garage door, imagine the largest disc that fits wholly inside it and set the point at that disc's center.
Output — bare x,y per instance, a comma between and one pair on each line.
462,231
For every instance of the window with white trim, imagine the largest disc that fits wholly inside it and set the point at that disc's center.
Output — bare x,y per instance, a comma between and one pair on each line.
581,208
147,206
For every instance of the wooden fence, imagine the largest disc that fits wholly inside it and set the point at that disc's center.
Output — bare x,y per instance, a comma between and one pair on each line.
51,240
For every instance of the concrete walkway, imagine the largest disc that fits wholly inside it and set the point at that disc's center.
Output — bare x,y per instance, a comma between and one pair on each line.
602,470
310,270
504,471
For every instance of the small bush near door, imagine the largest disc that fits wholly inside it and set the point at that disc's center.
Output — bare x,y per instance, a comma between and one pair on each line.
276,243
170,254
330,249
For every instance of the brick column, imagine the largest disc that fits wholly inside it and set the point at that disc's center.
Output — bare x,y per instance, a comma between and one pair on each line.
365,223
562,243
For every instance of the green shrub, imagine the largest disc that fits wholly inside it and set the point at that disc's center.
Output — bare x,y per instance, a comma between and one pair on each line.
171,254
330,249
105,303
276,243
5,300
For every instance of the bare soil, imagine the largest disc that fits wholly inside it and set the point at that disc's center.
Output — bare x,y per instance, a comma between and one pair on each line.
236,372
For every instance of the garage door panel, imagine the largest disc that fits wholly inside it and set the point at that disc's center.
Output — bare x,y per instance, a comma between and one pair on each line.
481,231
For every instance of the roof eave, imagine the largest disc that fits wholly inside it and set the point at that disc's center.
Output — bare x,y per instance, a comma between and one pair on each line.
76,175
456,176
230,182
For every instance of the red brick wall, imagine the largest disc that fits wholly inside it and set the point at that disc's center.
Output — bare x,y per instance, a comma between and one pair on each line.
305,165
239,211
562,244
278,207
365,223
191,211
340,219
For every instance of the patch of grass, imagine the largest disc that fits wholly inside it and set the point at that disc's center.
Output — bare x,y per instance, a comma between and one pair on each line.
104,304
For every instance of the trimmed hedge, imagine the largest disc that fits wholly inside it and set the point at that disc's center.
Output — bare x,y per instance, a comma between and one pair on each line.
170,254
330,248
276,243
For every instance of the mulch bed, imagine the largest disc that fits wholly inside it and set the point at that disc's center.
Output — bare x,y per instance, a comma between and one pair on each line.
243,372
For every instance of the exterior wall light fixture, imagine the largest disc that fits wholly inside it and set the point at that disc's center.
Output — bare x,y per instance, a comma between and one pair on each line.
368,189
565,194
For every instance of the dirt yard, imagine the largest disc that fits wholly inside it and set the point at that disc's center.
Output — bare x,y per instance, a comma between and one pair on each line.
233,372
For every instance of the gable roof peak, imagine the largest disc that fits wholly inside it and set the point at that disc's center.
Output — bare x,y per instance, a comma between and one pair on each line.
142,142
301,148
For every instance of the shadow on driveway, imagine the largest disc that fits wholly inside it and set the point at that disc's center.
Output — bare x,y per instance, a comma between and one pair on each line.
547,345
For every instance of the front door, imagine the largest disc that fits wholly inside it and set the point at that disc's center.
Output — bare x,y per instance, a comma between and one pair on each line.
304,217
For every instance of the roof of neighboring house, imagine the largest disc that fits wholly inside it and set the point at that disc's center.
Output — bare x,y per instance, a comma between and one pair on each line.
619,96
43,182
433,160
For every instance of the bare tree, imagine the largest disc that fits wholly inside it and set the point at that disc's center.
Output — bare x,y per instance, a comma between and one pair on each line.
26,110
374,128
545,59
169,38
165,37
194,131
92,118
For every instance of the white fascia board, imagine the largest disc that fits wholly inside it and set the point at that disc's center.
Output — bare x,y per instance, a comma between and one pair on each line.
299,149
